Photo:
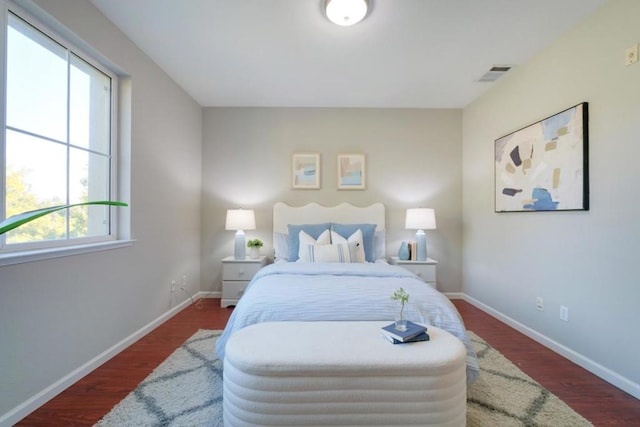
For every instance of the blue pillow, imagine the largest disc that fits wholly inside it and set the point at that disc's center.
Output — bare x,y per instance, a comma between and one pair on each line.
313,230
368,232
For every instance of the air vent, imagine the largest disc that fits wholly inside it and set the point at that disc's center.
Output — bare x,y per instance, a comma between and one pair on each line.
494,73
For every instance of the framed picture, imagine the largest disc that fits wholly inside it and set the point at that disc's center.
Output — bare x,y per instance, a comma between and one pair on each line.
351,172
544,166
305,171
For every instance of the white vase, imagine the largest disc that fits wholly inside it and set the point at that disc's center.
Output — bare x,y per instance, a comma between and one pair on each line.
254,252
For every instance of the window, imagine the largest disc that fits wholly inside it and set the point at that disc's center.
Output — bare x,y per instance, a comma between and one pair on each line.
58,139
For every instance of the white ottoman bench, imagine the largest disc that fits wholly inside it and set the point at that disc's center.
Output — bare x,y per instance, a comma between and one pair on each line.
341,373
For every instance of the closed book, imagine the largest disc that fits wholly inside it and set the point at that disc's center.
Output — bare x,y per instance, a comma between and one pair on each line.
413,329
420,337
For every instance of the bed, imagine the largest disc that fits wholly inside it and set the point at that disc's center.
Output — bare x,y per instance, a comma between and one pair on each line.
316,287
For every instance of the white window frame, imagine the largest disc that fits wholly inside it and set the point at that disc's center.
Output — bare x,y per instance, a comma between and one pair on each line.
33,251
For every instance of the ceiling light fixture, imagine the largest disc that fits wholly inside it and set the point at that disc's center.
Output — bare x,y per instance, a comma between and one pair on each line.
346,12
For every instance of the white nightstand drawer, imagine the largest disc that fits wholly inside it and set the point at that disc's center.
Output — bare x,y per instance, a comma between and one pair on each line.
425,270
233,290
236,275
240,270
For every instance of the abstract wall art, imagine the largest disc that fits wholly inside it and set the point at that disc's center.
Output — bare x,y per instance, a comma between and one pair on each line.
305,171
351,172
544,166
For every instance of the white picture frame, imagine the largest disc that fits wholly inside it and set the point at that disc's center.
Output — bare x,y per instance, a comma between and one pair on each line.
305,171
352,171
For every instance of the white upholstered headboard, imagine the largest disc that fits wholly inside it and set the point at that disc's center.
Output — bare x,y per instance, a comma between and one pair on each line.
314,213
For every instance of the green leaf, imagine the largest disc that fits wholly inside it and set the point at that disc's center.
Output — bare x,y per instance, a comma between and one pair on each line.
22,218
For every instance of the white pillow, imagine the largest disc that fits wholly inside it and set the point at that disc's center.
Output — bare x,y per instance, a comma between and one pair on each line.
355,243
281,246
325,253
306,239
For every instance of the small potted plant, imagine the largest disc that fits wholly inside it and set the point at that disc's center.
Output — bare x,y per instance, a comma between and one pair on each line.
254,246
402,296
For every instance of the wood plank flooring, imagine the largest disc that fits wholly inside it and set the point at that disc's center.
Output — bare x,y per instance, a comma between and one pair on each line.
92,397
593,398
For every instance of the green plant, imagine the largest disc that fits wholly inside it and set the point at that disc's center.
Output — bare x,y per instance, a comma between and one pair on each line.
16,221
255,243
402,296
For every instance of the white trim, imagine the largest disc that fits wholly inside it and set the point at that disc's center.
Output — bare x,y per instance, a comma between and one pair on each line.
4,11
595,368
208,294
42,23
28,406
454,295
11,258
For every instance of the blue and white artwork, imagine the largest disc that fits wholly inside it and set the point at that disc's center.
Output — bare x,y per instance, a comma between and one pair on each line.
351,172
306,170
543,167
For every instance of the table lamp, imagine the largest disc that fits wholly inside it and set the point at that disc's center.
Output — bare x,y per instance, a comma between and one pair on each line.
240,220
420,219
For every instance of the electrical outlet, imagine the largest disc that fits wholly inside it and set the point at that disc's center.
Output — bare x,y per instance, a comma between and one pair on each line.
540,303
173,286
631,55
564,313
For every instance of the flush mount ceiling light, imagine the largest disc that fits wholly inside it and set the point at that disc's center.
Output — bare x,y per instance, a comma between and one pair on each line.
346,12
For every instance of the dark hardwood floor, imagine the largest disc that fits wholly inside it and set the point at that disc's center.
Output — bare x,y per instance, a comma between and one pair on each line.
92,397
593,398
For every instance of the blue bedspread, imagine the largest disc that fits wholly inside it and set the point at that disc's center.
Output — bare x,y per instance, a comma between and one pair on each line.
334,291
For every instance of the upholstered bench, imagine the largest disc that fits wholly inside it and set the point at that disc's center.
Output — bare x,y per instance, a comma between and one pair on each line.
341,373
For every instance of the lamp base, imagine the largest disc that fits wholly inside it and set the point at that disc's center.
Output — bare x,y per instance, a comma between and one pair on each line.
240,251
421,243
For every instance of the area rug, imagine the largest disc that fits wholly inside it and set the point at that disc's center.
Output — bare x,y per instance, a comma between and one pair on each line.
186,390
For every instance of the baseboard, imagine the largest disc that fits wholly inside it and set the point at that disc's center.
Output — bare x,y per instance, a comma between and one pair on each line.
454,295
595,368
208,294
19,412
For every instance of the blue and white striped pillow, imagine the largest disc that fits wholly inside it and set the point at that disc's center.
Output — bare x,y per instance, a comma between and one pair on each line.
326,253
355,243
306,240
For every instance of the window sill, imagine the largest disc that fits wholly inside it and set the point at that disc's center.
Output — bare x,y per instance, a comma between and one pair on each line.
43,254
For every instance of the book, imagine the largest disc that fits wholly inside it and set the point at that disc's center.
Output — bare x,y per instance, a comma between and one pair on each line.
420,337
413,329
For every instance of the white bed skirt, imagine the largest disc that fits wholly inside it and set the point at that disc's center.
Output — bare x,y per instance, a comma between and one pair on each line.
341,373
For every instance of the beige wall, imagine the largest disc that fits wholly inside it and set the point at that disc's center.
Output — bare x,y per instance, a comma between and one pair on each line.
57,315
583,260
188,167
413,159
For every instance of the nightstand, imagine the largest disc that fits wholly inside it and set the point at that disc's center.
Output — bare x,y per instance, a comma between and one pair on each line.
236,275
426,270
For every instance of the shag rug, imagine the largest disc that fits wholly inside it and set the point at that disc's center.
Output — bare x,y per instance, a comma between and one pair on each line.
186,390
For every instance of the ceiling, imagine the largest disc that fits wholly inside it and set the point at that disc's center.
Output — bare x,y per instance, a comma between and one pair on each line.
404,54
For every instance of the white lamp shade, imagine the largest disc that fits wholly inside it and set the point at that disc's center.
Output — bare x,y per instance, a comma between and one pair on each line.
346,12
240,219
420,219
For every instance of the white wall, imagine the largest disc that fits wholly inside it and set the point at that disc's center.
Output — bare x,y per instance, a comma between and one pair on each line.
58,314
583,260
413,159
